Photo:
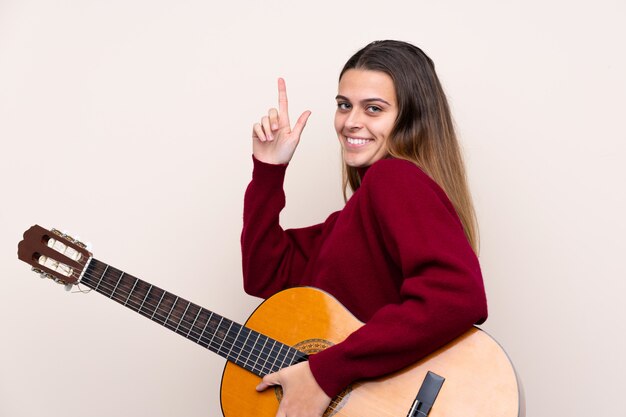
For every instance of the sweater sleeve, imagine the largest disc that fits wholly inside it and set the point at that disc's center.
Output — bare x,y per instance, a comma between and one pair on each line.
272,258
441,290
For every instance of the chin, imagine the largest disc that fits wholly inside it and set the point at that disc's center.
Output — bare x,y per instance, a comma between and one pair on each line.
357,164
359,161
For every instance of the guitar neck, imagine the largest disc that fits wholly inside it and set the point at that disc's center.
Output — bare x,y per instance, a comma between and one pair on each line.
247,348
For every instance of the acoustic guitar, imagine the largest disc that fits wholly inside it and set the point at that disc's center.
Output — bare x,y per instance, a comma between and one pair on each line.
470,377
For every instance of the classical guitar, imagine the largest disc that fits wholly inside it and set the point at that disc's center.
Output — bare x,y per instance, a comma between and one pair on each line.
470,377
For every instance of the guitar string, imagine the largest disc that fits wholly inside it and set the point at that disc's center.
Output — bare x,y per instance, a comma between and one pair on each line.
336,402
216,342
261,346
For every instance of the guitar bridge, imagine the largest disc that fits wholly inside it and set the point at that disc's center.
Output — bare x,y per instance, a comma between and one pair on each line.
426,395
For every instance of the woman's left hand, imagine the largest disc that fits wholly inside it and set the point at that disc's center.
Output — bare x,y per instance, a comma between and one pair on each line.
302,396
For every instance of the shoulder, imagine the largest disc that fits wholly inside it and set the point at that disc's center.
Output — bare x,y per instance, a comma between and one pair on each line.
398,176
400,192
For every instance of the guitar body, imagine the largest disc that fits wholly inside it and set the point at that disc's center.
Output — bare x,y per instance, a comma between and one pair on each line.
479,377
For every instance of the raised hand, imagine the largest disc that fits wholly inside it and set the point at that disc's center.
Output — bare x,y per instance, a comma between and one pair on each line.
273,139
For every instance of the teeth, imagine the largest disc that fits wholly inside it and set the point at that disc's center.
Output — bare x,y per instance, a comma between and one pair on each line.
354,141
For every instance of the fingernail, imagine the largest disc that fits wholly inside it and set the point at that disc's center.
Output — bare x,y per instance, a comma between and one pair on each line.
274,126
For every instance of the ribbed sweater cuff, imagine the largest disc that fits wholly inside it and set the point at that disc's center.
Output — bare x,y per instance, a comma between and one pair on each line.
331,379
264,170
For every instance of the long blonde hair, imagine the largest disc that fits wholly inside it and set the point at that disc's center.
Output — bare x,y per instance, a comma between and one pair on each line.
423,132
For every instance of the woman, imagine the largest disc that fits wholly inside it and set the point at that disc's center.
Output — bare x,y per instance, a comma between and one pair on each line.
400,255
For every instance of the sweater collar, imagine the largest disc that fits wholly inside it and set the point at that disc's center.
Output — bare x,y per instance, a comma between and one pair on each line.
362,171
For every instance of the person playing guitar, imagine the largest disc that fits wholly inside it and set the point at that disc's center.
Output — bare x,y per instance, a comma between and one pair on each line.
402,253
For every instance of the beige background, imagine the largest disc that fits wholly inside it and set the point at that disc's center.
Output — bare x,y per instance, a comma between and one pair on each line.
128,123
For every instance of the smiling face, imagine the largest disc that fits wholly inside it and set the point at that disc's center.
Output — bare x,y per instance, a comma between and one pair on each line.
366,113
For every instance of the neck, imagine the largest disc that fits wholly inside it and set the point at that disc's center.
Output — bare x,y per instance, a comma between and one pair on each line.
245,347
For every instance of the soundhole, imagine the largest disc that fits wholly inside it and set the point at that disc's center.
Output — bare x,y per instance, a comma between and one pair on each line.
310,347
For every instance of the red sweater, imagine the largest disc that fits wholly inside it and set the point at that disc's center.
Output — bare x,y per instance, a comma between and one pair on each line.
395,256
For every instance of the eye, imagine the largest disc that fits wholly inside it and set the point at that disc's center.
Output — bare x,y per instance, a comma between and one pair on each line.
373,109
342,105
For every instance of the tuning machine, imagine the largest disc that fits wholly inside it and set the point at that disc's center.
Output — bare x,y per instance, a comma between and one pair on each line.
66,235
44,275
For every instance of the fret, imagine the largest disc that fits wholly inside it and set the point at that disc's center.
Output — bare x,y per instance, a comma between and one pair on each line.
106,283
80,275
101,276
279,363
268,356
282,358
166,307
131,291
254,354
150,303
229,340
182,317
201,334
293,355
261,351
157,305
204,329
171,309
214,333
224,338
235,338
275,356
116,285
243,346
177,319
87,275
145,298
194,323
284,361
249,349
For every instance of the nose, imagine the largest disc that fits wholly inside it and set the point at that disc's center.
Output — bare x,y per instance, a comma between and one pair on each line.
354,121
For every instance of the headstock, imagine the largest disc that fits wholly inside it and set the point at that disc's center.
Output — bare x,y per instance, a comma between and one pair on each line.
53,254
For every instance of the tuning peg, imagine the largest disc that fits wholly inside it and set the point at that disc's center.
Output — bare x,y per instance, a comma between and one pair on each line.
68,287
81,244
65,234
39,272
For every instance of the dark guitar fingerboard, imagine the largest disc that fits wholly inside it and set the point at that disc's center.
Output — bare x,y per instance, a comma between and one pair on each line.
247,348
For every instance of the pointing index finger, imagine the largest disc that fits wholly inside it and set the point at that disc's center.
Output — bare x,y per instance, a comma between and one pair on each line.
283,106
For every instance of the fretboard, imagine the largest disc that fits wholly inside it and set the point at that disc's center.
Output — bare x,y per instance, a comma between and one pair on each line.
247,348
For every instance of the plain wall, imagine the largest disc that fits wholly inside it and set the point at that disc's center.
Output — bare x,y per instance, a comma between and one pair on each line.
128,123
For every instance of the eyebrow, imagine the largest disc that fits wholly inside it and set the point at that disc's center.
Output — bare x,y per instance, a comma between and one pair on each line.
367,100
